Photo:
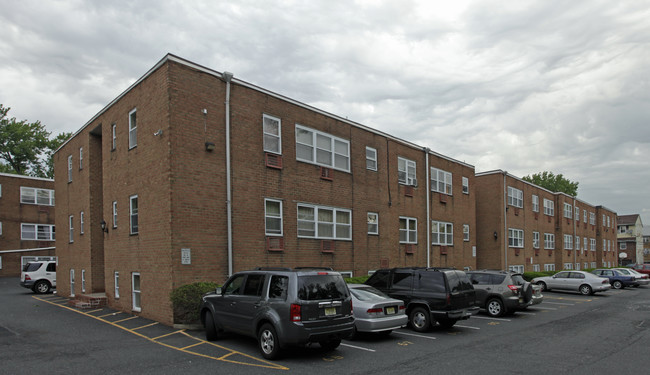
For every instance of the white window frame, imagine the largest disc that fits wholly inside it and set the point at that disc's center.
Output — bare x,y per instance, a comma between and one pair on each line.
568,266
535,267
274,217
549,207
81,222
592,218
314,222
593,264
577,213
441,181
409,233
568,242
608,222
515,237
604,245
81,161
72,280
518,268
535,203
114,214
83,281
578,243
373,223
549,267
114,136
406,171
577,266
568,211
133,128
371,158
622,246
134,215
535,240
465,182
116,279
30,195
584,217
592,244
466,232
69,168
71,228
515,197
549,241
136,294
268,135
335,152
38,230
442,233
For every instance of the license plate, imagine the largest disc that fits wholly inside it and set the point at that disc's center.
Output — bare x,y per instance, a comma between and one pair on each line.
330,311
390,310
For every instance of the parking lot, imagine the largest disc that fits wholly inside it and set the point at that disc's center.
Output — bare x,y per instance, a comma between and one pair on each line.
567,333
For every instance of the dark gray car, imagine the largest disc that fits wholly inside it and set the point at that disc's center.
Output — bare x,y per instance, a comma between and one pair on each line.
501,292
281,307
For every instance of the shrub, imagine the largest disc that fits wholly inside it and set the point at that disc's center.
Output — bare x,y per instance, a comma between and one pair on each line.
531,275
356,280
186,301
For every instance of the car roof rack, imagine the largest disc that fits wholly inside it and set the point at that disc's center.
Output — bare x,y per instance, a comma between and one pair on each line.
271,269
314,268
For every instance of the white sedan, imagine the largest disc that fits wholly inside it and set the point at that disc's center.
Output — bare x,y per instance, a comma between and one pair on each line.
580,281
641,278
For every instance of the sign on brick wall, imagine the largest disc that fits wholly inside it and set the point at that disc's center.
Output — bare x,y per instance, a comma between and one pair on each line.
186,256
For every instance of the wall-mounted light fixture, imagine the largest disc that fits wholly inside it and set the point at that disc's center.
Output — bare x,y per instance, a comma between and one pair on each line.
104,228
496,235
209,146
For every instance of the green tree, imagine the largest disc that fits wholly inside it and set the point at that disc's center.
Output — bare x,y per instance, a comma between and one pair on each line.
25,147
553,182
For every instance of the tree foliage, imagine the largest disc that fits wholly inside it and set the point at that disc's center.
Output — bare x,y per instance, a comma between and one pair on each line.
553,182
26,147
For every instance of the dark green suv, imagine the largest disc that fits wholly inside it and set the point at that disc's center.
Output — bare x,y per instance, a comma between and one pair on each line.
431,295
281,307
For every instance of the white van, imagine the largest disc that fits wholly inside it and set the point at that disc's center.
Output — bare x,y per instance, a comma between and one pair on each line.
39,276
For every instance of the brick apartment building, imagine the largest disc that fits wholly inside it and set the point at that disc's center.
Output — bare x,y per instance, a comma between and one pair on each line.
630,238
191,175
524,227
26,220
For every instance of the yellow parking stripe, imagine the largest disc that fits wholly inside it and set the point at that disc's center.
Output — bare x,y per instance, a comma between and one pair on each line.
124,320
167,334
145,326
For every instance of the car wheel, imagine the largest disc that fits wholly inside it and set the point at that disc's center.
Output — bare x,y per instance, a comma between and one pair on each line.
495,307
330,344
446,322
268,340
419,319
543,286
354,334
617,284
41,287
585,290
210,328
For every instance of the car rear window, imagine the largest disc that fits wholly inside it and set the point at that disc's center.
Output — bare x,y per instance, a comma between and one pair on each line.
368,294
31,267
316,287
458,281
518,280
432,281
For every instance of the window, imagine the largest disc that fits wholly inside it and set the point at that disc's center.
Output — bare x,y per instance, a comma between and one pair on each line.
584,217
465,185
43,197
83,281
603,219
69,168
81,166
568,211
324,222
408,230
604,245
577,242
592,244
371,158
549,267
577,216
442,233
71,227
272,136
117,285
373,223
592,218
441,181
535,267
466,232
516,268
584,244
535,203
133,129
135,290
515,237
536,240
0,229
0,190
622,246
114,137
549,207
549,242
81,222
609,245
515,197
114,214
568,266
406,171
608,224
593,265
37,232
71,282
322,149
568,242
133,212
273,217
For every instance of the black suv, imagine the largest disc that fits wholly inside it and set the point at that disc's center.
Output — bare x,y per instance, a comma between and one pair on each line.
431,295
281,307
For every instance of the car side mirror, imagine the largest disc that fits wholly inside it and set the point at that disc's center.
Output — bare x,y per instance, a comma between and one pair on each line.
218,290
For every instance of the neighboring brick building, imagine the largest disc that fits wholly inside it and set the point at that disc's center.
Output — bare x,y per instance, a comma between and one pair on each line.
630,238
301,187
524,227
26,220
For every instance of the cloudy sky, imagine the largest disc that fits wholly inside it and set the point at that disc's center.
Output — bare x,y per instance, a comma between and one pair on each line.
522,86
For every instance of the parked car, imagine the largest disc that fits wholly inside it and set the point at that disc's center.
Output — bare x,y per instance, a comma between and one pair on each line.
39,276
616,278
431,295
580,281
281,307
642,268
374,311
641,278
501,292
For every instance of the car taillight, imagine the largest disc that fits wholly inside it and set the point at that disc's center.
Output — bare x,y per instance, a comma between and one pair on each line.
375,311
514,289
323,273
295,313
605,281
402,307
27,277
448,299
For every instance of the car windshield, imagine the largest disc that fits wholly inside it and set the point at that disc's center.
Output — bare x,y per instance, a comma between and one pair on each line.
317,287
368,294
31,267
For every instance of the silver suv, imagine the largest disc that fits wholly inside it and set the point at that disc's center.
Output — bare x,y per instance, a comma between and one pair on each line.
39,276
281,307
501,292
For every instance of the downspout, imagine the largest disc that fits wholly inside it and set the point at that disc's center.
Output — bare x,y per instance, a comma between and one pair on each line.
504,238
428,193
575,234
227,77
